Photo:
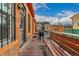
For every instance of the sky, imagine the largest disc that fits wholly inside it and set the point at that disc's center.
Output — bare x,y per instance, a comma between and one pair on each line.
52,12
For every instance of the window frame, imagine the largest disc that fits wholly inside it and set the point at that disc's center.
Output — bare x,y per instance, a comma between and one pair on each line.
0,29
22,24
29,23
10,18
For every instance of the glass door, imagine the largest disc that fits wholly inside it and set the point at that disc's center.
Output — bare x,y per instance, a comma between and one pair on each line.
22,28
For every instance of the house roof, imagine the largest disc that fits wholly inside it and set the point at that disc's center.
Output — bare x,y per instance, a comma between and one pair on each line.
30,7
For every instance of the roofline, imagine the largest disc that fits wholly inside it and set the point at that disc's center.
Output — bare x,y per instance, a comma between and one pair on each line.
30,7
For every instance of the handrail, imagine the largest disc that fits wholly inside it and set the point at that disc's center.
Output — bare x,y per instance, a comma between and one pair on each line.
68,44
54,49
65,33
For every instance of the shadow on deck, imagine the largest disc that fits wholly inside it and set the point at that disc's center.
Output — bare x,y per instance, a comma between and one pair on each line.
35,47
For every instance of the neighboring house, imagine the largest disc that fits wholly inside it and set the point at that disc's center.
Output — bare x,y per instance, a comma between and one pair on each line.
50,28
75,21
59,28
39,25
44,26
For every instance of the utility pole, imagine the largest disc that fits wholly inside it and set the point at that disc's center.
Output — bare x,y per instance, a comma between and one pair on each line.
59,17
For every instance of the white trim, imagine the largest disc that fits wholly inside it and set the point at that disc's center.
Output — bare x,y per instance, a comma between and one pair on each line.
10,27
65,33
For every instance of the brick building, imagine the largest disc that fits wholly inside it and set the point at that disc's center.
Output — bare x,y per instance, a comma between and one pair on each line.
17,25
59,28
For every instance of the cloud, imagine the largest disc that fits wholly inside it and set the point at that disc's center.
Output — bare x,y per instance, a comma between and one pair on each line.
42,6
52,20
66,17
68,13
64,20
36,6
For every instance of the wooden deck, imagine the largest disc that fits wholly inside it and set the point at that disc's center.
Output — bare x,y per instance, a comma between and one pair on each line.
35,48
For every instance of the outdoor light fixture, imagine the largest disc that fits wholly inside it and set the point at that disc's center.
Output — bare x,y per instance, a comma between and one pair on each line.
20,6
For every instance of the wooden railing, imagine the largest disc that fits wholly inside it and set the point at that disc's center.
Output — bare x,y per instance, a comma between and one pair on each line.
68,44
55,49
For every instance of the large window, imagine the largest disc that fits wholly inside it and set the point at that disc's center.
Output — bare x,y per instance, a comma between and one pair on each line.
6,24
28,23
0,25
22,24
0,29
0,6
